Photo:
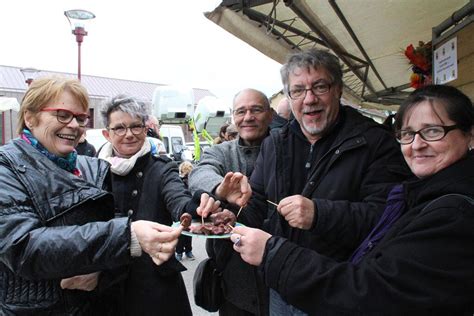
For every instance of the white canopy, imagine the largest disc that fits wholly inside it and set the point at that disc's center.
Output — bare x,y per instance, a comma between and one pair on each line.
369,36
9,104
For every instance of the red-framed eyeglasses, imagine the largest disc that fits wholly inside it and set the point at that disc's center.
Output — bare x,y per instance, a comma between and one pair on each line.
65,116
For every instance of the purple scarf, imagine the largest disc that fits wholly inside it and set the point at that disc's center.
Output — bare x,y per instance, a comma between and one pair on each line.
393,209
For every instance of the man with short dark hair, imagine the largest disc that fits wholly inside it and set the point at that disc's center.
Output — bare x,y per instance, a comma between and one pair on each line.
153,133
153,127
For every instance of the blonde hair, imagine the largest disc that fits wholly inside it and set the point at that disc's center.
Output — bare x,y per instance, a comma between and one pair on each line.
185,168
47,89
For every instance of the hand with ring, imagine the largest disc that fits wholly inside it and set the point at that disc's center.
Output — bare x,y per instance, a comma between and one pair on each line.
158,240
250,243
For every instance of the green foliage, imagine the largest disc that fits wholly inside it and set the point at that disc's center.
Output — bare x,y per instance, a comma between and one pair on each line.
196,137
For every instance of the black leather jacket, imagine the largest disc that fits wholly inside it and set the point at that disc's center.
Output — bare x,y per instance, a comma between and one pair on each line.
54,225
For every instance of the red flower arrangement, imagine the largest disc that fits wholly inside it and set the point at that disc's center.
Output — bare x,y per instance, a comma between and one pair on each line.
420,59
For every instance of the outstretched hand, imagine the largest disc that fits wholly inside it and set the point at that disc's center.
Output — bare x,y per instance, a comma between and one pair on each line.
208,206
158,240
234,188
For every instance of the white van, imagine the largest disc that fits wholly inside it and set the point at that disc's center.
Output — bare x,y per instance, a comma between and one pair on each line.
173,139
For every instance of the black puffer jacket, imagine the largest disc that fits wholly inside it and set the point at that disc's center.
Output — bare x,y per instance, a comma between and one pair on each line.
53,225
422,266
349,183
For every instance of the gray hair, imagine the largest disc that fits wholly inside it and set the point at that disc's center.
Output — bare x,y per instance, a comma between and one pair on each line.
312,58
126,104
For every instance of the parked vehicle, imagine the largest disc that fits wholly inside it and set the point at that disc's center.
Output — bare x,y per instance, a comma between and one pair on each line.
95,137
171,104
203,144
173,139
210,114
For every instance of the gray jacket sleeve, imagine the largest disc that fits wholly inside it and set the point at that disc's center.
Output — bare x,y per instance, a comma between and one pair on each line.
210,171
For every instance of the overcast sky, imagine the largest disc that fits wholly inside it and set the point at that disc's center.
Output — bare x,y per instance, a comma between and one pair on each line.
159,41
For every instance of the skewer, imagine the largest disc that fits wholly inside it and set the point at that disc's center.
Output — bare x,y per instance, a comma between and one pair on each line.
272,202
240,210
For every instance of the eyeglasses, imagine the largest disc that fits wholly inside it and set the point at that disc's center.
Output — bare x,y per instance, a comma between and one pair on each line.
317,89
254,110
65,116
122,130
429,134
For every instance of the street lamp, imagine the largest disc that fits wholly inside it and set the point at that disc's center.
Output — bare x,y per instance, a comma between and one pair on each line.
29,74
78,17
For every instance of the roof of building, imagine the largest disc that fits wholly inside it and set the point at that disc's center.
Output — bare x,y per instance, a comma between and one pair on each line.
12,79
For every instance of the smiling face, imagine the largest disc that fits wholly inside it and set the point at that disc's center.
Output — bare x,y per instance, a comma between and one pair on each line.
315,114
58,138
129,144
427,158
252,127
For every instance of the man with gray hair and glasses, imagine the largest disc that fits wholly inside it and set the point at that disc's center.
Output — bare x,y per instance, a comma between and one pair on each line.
322,180
252,116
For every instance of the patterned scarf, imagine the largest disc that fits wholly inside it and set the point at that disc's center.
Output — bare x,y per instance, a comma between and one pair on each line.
67,163
393,210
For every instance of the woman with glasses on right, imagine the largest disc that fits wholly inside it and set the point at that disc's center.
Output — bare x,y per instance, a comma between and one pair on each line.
419,258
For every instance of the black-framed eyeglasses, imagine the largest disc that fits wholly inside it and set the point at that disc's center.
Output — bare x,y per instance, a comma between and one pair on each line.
429,134
122,130
254,110
317,89
65,116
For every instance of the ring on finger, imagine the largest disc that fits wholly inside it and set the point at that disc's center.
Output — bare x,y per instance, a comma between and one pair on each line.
237,241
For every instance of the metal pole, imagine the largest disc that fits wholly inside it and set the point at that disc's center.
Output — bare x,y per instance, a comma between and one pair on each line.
11,125
3,128
79,61
80,33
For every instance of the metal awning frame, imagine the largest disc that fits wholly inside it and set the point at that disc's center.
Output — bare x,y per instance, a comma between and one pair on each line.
355,69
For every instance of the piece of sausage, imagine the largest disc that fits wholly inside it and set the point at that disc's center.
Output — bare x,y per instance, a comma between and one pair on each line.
185,220
225,217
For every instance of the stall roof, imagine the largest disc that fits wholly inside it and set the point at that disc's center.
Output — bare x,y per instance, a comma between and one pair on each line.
369,36
11,79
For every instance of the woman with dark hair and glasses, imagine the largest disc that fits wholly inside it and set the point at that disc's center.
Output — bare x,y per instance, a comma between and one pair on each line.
145,186
57,226
419,258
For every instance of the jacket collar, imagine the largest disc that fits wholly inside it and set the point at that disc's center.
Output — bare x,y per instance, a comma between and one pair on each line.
457,178
349,123
240,142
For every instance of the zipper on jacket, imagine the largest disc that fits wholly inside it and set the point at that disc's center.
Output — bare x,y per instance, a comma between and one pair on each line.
338,147
310,156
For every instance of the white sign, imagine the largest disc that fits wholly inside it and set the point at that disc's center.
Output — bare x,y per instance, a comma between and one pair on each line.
446,62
